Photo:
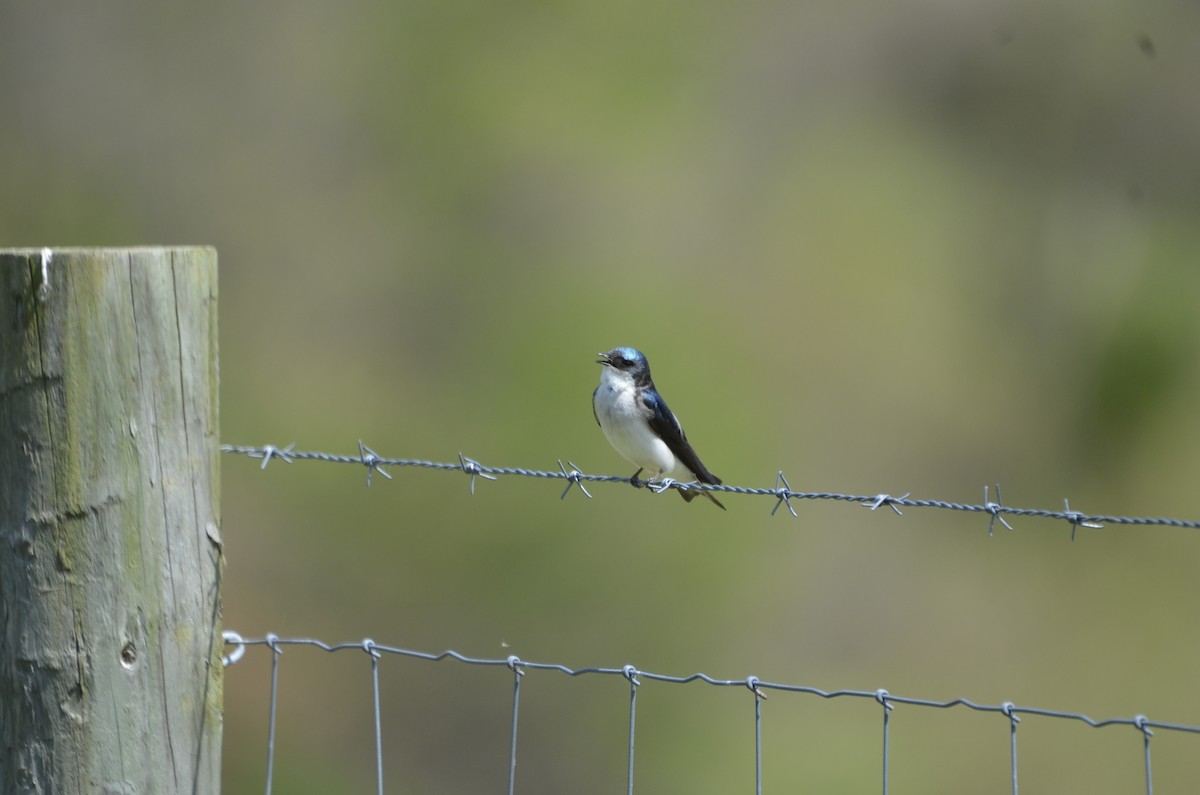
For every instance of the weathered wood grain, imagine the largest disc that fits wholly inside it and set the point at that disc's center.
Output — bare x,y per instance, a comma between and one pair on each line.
110,549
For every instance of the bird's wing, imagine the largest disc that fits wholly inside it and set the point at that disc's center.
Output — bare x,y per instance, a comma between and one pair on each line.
594,414
663,422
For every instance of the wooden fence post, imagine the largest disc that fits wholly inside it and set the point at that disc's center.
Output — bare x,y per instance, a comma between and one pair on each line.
110,545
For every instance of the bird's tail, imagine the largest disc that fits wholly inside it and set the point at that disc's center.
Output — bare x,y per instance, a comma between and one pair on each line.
688,496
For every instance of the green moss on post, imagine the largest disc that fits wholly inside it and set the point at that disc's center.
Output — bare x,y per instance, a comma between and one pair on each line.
110,550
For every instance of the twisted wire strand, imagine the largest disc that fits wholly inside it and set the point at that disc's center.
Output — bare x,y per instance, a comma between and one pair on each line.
782,493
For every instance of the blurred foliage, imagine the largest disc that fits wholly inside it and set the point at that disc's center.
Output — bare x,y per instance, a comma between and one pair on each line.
884,247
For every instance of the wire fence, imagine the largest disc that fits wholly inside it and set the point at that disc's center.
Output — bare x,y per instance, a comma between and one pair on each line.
756,687
782,495
781,492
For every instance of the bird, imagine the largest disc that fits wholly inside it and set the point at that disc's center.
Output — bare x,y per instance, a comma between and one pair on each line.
639,425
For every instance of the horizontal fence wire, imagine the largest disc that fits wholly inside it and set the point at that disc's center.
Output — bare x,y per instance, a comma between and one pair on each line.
782,492
758,688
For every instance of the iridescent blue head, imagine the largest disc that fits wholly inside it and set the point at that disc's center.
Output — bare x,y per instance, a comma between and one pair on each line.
626,360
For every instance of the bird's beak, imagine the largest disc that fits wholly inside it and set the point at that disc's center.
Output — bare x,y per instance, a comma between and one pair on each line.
604,360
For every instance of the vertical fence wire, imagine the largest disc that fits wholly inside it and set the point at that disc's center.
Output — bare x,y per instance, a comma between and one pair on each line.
1149,775
631,674
1141,722
1007,708
275,652
882,697
369,648
515,664
758,783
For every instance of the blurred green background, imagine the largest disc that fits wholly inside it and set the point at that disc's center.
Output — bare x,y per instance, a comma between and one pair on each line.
884,247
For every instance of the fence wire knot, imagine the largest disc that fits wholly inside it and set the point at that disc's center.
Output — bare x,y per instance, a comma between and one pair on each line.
514,664
881,696
474,469
752,684
273,643
783,490
574,478
1142,723
368,646
994,509
630,673
888,500
371,461
1009,710
239,647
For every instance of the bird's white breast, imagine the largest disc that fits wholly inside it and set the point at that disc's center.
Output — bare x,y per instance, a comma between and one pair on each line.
622,418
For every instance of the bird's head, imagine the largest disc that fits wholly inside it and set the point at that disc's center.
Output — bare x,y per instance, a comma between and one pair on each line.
628,362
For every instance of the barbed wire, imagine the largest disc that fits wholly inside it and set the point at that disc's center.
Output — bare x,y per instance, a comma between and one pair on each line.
782,492
635,677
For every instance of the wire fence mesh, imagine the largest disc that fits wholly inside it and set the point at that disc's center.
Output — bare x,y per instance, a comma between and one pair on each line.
757,688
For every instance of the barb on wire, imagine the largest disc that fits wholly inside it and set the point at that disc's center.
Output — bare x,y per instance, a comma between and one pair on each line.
888,500
474,469
1078,519
782,492
574,478
994,509
267,452
659,486
371,461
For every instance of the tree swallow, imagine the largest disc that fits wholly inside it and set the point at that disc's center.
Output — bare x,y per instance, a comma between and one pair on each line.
637,423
